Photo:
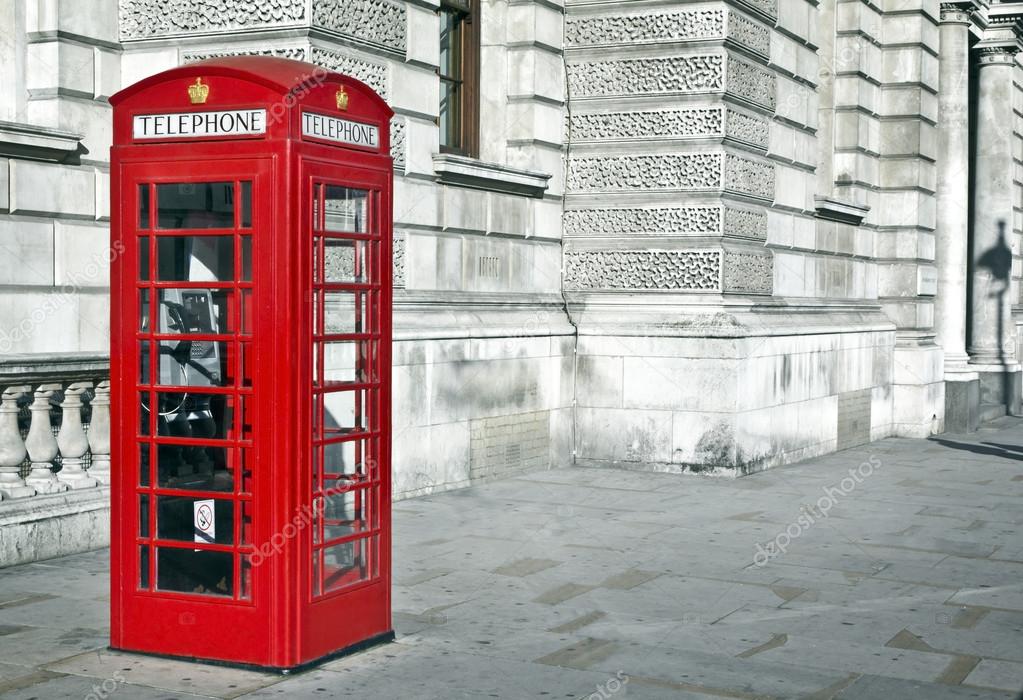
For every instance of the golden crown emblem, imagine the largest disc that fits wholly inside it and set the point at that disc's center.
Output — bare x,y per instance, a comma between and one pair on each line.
198,92
342,99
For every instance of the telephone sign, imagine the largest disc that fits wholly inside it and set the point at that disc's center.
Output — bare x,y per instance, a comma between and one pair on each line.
250,361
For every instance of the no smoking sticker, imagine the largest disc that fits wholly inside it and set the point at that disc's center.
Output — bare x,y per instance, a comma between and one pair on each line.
205,524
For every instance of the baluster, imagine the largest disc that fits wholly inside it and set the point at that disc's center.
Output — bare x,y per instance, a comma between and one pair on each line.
72,441
12,446
99,433
41,445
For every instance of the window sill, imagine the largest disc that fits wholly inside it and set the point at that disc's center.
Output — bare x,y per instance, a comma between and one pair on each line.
840,210
468,172
18,140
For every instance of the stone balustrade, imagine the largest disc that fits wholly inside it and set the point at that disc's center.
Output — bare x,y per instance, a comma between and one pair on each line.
54,425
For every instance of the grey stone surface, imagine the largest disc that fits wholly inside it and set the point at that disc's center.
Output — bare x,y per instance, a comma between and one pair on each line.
553,584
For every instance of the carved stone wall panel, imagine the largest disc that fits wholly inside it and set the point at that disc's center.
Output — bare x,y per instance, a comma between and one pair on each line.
696,220
373,74
744,31
748,273
398,259
644,76
751,82
668,123
297,53
652,27
745,223
705,73
748,129
378,22
701,24
145,19
749,177
398,143
684,123
668,270
688,171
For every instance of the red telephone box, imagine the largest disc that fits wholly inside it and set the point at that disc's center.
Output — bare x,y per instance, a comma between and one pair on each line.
250,358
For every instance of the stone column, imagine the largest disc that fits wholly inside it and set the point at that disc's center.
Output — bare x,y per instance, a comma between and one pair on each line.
992,348
953,185
962,390
12,446
41,445
99,433
72,441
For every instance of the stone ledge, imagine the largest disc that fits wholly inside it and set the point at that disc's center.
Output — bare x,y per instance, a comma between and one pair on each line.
469,172
66,366
32,142
43,527
840,210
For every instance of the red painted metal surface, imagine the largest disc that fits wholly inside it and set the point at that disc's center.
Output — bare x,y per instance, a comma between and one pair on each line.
250,363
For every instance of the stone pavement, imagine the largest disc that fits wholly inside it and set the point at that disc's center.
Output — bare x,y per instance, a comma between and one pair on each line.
904,582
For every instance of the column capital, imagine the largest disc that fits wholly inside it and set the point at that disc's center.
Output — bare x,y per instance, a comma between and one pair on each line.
957,12
997,54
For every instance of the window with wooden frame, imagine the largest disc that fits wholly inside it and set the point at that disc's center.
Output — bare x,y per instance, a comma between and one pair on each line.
459,77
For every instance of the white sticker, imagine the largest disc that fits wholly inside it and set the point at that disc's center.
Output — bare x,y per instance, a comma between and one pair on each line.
205,524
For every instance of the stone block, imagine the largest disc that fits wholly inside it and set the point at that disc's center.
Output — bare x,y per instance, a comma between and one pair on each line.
463,209
962,405
617,435
416,203
92,20
414,88
47,188
81,255
430,458
93,320
681,384
423,36
27,245
5,184
138,65
40,322
509,214
599,381
108,74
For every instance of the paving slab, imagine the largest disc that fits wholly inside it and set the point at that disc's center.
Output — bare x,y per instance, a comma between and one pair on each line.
573,582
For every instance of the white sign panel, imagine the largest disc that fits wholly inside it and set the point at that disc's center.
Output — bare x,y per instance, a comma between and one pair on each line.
205,524
233,122
321,126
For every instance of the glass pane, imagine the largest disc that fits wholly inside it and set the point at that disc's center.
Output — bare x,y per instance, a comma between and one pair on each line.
144,206
344,564
344,260
345,459
195,258
347,361
144,377
450,120
144,464
193,363
144,567
195,205
143,516
451,26
144,310
246,243
246,204
195,519
344,312
344,513
245,358
190,571
144,258
246,578
343,412
193,467
198,311
247,311
144,418
199,416
345,209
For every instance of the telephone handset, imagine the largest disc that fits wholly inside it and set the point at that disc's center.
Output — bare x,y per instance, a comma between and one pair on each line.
189,362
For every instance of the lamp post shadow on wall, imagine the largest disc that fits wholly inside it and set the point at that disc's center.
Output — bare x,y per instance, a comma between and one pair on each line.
997,260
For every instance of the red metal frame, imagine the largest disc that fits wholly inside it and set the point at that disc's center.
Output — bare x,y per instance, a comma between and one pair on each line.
315,582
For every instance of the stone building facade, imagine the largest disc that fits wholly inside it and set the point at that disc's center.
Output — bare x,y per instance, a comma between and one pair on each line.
695,236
